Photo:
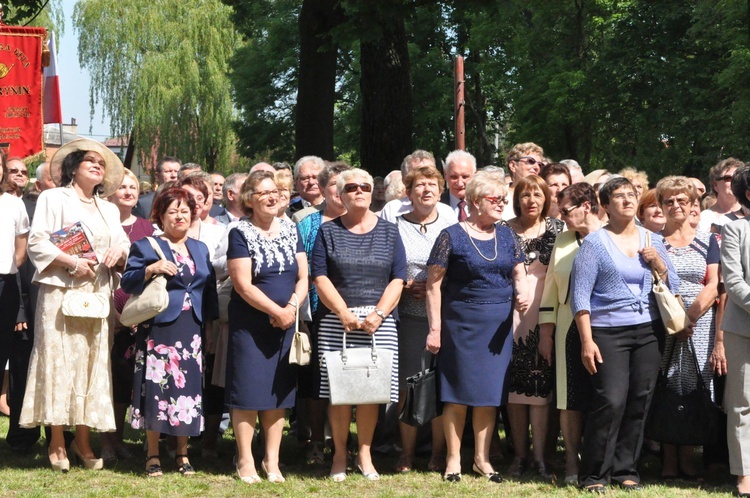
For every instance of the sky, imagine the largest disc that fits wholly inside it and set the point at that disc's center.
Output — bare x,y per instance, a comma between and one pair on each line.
75,82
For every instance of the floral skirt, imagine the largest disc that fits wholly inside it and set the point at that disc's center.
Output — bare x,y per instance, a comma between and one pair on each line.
167,385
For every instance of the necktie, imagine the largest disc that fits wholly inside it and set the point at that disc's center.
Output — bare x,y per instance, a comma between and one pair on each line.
462,210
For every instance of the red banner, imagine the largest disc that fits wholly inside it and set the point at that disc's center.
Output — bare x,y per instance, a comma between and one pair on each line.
21,89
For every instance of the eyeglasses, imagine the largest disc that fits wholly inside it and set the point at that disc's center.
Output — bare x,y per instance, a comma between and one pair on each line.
352,187
16,171
530,160
266,194
681,201
495,200
567,211
726,178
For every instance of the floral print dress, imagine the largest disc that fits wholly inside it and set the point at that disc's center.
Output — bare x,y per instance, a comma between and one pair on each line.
167,392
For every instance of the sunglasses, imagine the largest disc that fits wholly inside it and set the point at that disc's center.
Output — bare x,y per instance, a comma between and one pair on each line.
567,211
352,187
726,178
16,171
530,160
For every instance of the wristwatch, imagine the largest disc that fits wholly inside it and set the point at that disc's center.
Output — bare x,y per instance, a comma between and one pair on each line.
380,313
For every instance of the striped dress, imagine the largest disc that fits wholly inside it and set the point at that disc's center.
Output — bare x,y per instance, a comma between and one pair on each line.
360,266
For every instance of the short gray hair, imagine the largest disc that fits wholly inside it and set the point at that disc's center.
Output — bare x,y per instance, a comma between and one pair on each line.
307,159
330,171
233,182
572,164
40,171
416,156
351,174
458,155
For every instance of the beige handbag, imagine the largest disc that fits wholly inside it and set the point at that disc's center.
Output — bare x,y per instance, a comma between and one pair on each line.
671,306
153,300
82,304
301,350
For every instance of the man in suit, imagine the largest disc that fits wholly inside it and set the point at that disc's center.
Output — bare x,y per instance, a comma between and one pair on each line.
231,194
460,167
167,170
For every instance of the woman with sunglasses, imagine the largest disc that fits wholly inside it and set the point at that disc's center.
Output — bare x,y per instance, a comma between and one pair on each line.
268,267
579,208
359,267
472,273
720,178
530,383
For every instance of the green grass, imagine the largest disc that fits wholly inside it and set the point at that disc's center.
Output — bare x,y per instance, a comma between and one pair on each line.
31,476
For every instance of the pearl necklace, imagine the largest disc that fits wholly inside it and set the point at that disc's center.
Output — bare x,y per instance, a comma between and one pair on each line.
494,238
86,201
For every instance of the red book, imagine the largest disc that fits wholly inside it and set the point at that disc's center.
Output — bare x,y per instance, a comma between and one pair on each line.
72,240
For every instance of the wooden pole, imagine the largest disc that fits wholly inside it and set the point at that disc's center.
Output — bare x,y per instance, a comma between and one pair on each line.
459,102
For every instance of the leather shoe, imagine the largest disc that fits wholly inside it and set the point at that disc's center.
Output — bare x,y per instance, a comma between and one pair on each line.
455,477
491,476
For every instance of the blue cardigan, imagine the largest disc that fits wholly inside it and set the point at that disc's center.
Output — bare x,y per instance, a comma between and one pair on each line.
597,285
202,290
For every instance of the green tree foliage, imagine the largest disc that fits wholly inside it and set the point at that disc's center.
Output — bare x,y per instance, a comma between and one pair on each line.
160,68
662,86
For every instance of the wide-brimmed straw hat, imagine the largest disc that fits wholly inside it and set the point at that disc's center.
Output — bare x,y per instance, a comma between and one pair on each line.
113,169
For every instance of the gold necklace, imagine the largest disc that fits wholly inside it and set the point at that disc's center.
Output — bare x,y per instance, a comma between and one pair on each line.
494,238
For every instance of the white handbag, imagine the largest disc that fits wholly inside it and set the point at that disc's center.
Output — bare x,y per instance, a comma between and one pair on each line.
82,304
671,307
153,300
301,350
359,376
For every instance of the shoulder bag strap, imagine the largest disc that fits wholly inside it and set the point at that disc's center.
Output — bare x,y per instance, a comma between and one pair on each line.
156,247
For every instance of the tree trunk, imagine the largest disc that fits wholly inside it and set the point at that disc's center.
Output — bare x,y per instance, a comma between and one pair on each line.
386,134
316,92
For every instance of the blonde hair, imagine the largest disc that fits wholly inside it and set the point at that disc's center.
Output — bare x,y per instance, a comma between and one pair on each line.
482,183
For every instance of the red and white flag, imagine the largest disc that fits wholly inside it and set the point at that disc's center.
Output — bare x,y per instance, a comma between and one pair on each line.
52,107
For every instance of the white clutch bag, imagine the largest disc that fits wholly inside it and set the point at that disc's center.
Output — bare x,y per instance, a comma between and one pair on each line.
81,304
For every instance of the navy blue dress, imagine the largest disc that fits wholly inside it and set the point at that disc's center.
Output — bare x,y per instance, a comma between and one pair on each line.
259,376
476,315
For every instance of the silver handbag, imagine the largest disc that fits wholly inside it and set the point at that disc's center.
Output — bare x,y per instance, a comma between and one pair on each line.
359,376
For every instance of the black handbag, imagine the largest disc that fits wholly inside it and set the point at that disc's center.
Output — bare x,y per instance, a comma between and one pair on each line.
421,403
691,419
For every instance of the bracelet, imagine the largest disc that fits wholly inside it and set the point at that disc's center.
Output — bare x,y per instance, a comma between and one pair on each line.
73,270
292,303
661,274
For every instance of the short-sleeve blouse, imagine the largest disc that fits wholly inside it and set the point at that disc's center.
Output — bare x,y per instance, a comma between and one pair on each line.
274,260
469,273
360,266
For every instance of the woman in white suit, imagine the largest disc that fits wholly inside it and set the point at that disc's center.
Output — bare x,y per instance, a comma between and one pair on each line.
69,381
735,268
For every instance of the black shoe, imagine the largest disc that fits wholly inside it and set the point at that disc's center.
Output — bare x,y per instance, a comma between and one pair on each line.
632,487
491,476
455,477
742,495
598,489
544,471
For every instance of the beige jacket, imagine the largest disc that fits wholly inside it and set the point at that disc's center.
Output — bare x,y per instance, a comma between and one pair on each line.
59,208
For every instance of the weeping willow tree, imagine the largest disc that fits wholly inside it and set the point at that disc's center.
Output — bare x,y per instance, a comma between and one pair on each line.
159,68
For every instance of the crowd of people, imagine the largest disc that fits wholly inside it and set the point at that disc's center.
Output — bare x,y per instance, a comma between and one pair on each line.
528,286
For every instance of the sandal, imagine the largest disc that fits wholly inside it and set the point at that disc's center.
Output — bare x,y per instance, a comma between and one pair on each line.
184,468
153,470
404,463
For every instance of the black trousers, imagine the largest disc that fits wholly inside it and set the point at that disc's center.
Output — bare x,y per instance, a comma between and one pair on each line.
622,389
15,348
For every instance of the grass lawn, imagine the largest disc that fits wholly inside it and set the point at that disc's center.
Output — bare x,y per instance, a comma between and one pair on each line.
30,475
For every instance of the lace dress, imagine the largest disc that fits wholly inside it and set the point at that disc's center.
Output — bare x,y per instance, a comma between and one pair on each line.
476,318
531,378
259,376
